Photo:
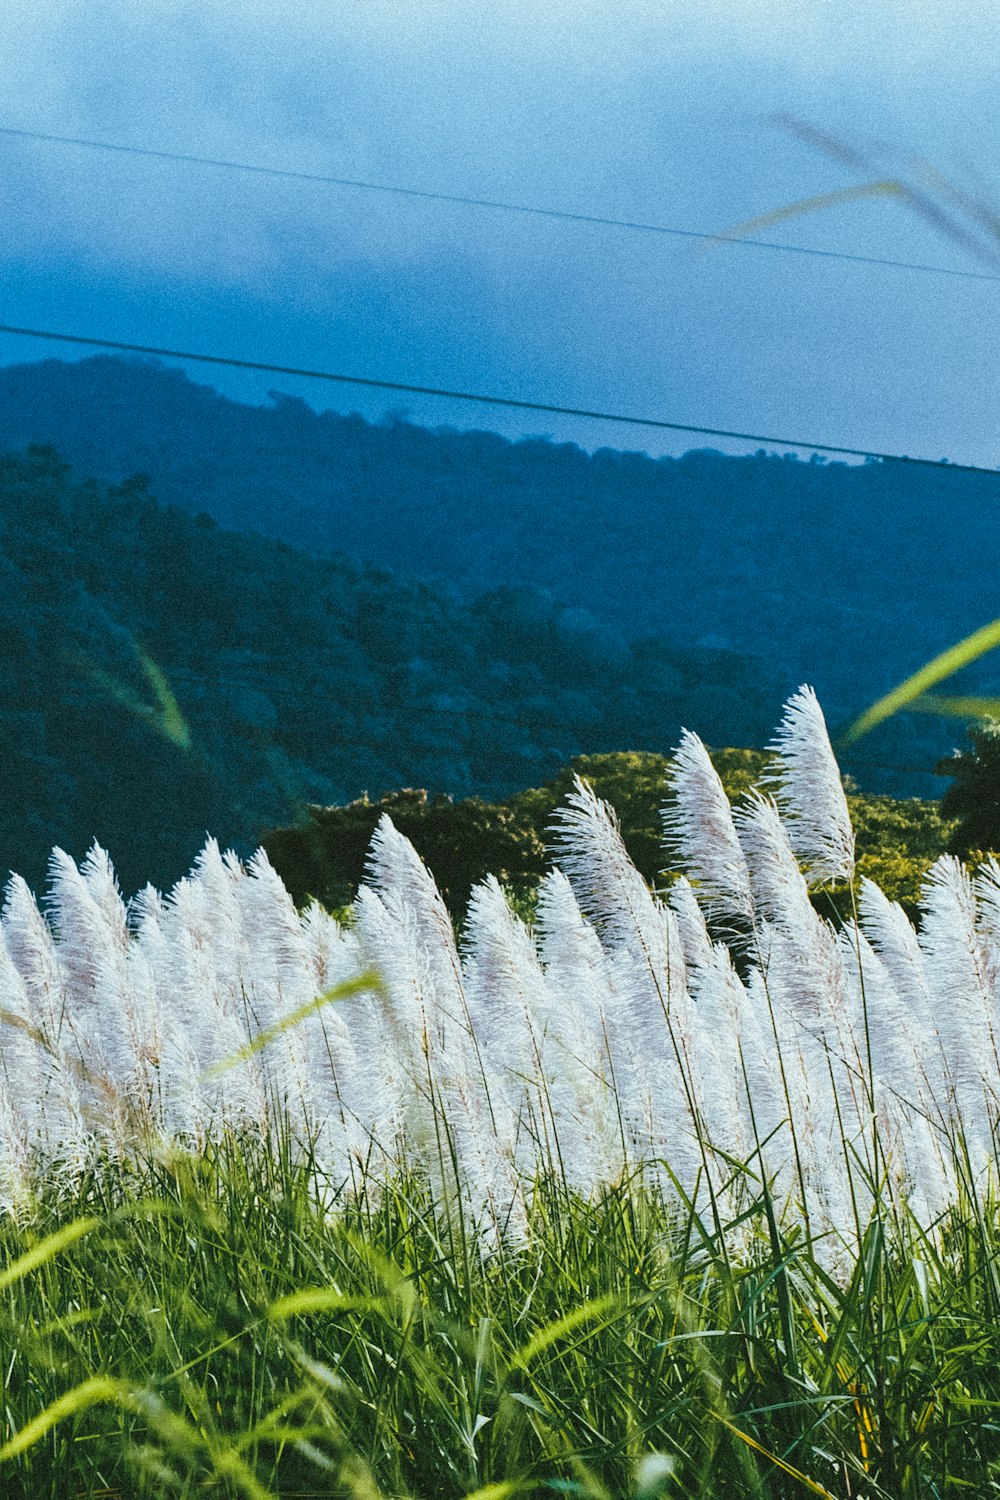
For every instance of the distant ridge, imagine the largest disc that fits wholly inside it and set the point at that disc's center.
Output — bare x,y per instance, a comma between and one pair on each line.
847,576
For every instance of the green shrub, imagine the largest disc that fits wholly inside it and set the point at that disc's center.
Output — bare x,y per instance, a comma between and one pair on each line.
463,841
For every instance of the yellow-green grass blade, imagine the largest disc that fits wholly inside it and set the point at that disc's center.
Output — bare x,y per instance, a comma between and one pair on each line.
558,1329
981,641
965,707
366,981
44,1251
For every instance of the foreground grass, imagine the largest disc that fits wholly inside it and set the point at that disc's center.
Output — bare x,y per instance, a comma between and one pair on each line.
217,1332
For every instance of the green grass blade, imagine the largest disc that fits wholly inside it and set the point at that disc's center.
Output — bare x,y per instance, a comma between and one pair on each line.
88,1393
366,981
981,641
53,1245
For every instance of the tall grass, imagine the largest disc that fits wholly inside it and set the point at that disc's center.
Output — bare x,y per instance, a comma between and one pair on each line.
695,1197
223,1333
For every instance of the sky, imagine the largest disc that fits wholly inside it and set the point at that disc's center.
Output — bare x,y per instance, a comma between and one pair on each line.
667,113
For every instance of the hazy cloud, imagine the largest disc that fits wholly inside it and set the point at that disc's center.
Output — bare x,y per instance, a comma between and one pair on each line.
649,110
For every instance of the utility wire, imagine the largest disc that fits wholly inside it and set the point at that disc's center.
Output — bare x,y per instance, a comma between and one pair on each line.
482,399
500,205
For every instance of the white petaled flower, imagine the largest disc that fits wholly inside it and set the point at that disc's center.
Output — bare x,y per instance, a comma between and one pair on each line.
809,791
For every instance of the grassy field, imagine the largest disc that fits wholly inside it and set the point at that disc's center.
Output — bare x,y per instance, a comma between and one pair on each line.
221,1332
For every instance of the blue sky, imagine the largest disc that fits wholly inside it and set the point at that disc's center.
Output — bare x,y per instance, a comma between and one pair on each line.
660,112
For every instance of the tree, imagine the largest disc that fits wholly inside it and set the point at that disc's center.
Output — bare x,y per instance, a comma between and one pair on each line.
974,794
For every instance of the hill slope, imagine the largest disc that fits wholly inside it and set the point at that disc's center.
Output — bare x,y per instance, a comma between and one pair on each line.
846,576
163,678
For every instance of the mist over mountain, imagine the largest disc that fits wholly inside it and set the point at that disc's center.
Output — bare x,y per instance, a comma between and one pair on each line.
848,576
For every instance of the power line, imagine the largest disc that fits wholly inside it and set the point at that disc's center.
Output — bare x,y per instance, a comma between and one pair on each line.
481,399
500,205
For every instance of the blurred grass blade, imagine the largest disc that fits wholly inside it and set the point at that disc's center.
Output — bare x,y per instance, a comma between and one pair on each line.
956,708
80,1398
45,1250
560,1327
496,1491
165,715
171,721
981,641
888,188
318,1299
369,980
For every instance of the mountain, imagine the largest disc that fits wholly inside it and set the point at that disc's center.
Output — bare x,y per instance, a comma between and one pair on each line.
848,576
164,678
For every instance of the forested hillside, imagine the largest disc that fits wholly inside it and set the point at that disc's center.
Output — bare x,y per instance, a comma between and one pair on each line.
164,678
848,576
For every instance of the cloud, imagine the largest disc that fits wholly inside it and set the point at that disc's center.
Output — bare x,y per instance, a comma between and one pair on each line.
650,110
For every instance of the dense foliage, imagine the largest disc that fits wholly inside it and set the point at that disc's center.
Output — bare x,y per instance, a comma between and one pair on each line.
219,1334
163,677
464,841
763,554
973,797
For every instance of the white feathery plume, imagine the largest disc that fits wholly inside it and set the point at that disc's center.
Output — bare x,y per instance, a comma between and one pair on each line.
388,1031
457,1068
108,1034
892,936
590,851
819,1061
215,1037
349,1032
181,1109
434,1074
20,1060
22,1077
661,1079
956,966
220,879
278,982
138,1001
334,951
403,881
102,883
32,949
695,938
779,888
15,1160
987,892
809,998
65,1138
581,1018
907,1142
810,792
804,967
484,1175
410,895
878,1008
700,837
506,993
571,955
550,1091
768,1099
720,1017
